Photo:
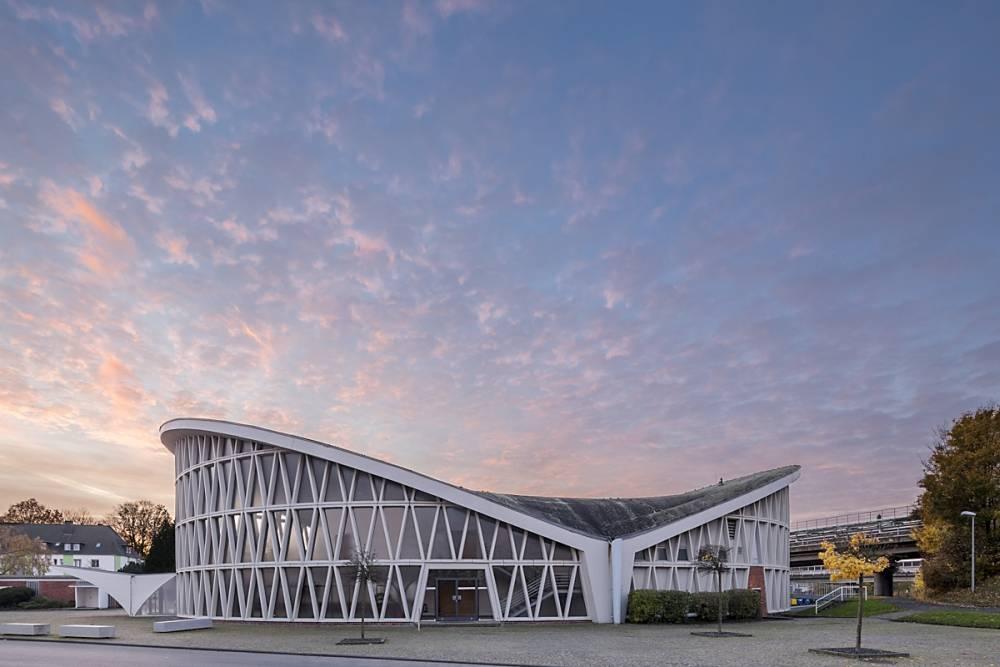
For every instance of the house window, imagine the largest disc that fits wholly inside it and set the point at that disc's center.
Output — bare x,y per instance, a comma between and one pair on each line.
76,547
77,562
95,562
56,561
68,546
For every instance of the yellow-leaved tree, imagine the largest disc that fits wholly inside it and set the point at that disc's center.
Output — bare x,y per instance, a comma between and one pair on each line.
860,558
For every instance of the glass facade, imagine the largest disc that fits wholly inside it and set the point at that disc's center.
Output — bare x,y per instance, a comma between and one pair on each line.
266,533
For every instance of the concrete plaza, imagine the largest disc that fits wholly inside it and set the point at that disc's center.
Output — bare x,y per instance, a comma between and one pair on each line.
773,642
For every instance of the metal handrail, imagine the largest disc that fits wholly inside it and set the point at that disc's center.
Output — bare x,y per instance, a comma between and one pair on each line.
902,512
841,594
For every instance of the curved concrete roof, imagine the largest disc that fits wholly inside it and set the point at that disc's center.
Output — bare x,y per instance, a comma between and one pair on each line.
620,517
602,518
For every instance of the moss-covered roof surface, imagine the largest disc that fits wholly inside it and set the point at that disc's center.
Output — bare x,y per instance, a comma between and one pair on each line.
619,517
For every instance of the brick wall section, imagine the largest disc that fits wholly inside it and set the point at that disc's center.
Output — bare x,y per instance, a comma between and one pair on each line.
757,581
58,589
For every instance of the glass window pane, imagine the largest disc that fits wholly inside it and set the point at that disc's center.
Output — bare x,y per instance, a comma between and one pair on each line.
392,491
410,575
348,541
334,608
363,487
363,519
425,522
532,547
440,547
332,492
378,545
394,524
409,546
456,521
503,550
472,549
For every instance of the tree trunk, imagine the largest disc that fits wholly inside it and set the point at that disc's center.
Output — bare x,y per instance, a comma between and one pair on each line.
719,577
861,607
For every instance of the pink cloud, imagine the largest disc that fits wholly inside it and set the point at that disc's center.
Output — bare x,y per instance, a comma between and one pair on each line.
106,248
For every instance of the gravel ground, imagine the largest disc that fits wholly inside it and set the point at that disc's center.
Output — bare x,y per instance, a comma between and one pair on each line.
583,645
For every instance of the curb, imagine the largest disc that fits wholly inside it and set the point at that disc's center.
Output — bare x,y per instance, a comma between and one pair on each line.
56,640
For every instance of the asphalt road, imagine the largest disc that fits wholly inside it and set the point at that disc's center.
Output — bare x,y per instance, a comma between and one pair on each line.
95,655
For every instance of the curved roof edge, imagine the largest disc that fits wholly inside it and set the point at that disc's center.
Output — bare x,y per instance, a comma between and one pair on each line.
594,518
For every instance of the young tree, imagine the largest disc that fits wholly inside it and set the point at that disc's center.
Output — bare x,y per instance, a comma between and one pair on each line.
31,511
361,569
962,474
715,558
858,559
21,555
137,523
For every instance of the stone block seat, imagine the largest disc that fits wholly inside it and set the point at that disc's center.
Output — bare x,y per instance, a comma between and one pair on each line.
87,631
182,625
29,629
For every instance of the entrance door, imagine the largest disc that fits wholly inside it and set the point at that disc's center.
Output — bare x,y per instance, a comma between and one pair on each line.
457,599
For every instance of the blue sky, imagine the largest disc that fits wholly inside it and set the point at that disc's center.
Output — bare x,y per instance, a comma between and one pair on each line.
553,248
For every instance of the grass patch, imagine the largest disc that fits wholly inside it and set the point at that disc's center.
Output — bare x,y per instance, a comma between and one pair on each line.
849,609
962,619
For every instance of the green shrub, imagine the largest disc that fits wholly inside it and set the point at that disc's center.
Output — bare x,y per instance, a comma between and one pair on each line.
648,606
643,607
743,604
738,604
674,606
15,595
42,602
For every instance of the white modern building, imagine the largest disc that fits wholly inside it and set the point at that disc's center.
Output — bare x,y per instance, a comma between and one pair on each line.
266,524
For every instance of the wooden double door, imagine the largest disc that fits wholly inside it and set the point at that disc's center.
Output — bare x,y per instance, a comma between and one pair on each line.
458,599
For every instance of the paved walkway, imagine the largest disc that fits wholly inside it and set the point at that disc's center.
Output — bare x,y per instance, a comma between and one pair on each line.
909,606
774,643
19,653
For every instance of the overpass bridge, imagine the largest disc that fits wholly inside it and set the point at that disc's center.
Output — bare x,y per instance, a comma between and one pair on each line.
893,526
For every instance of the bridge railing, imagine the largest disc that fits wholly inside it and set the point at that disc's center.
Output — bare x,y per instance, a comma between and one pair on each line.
872,516
885,530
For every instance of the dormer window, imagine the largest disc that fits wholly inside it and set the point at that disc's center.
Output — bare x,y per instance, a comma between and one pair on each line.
68,547
76,547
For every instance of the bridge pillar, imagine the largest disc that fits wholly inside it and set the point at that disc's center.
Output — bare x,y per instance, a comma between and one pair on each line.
883,582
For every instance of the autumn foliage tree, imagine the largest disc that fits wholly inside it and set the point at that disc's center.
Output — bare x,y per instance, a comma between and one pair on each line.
858,559
21,555
31,511
138,522
962,474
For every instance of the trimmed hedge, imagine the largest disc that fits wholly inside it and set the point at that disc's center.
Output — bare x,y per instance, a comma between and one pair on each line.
42,602
648,606
12,596
738,605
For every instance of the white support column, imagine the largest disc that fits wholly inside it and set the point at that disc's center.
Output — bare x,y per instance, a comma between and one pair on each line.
616,581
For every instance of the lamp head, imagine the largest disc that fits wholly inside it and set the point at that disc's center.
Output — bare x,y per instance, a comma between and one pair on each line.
968,513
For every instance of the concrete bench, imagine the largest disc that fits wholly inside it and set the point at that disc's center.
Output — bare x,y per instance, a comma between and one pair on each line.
182,625
87,631
32,629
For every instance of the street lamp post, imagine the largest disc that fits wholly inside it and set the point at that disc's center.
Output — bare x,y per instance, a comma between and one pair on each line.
973,515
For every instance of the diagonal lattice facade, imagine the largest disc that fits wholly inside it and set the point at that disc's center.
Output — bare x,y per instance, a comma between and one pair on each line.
267,523
265,533
756,535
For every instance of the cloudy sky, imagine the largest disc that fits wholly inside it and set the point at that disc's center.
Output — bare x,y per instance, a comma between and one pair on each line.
548,248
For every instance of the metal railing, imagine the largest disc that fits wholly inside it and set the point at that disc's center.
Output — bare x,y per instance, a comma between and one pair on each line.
841,594
871,516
